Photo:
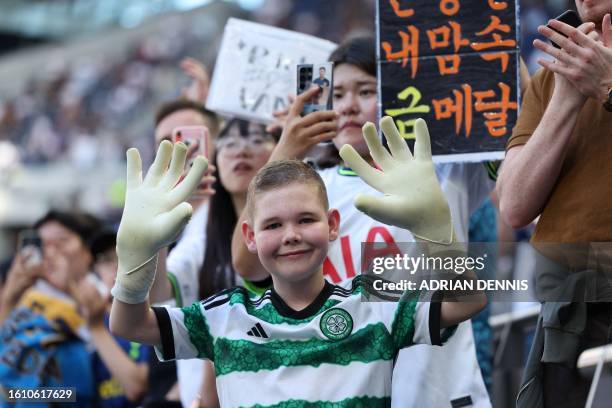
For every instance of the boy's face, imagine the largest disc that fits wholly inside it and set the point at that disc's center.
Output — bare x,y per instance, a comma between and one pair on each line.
290,231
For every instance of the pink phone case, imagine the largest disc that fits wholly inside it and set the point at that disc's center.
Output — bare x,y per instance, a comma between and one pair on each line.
192,134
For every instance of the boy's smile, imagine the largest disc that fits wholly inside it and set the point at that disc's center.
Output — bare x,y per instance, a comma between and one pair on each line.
292,231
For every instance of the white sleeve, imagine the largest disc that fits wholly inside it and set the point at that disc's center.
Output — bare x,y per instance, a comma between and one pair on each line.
427,325
186,258
176,335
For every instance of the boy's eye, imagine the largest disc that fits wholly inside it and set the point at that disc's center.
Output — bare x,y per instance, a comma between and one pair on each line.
307,220
272,226
337,95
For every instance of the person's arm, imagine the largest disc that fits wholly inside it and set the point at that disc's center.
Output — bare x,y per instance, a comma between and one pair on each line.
153,216
464,306
131,375
208,393
530,171
299,135
135,322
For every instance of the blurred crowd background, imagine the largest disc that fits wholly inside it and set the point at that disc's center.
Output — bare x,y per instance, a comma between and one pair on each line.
79,80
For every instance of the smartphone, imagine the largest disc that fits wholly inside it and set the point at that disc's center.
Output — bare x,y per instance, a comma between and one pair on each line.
99,284
195,137
321,75
30,240
569,17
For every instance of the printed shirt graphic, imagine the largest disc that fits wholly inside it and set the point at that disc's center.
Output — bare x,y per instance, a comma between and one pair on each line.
322,82
39,348
267,354
425,376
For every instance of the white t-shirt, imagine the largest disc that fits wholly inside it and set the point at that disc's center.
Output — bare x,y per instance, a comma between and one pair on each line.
183,267
423,376
186,258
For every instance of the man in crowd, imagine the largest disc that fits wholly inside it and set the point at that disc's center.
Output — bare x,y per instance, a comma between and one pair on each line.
557,167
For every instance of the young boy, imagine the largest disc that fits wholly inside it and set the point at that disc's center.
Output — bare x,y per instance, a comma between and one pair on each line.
297,343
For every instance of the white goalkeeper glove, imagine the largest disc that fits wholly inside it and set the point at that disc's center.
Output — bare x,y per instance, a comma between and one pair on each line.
412,197
153,216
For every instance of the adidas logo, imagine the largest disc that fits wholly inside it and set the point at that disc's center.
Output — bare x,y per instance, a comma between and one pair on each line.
257,331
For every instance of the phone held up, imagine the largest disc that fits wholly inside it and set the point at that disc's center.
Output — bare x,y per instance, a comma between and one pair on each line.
195,137
29,241
569,17
321,75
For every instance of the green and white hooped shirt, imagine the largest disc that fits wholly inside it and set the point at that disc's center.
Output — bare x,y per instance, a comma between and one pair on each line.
339,351
423,376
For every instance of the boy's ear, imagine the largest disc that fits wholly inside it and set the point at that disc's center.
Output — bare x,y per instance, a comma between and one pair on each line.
333,220
249,237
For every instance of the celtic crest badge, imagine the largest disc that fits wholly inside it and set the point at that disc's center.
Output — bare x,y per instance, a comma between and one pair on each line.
336,324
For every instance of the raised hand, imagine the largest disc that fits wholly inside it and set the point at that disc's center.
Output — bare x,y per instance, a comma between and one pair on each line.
412,197
197,91
153,216
301,133
584,59
93,299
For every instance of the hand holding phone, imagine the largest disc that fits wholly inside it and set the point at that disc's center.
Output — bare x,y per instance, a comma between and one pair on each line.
197,139
30,246
26,269
569,17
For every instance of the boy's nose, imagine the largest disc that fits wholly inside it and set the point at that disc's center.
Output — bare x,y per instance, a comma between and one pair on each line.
291,236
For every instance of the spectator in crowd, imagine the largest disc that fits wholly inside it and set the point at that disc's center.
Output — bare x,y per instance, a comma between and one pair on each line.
120,367
557,167
40,321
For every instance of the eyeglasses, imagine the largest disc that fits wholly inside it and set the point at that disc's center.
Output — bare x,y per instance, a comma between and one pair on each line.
234,144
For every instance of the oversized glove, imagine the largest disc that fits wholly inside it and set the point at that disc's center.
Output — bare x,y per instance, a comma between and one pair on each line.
153,216
412,197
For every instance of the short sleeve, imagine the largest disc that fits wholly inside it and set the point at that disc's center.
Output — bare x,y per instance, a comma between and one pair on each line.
532,110
184,333
418,322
